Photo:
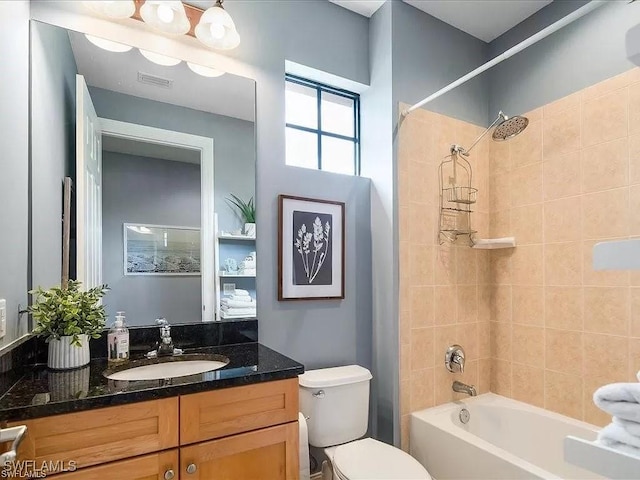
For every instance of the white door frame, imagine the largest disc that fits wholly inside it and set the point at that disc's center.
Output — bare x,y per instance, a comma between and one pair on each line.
204,145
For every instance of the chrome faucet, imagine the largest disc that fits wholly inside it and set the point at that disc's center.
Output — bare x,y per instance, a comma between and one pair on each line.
454,359
464,388
165,346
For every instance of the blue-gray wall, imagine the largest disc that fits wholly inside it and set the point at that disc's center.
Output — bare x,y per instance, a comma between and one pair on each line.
14,162
233,142
53,103
601,44
159,192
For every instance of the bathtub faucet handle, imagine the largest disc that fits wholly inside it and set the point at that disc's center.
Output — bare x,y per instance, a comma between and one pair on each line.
454,359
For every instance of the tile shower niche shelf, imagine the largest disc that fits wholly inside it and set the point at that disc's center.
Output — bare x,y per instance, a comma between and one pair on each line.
493,243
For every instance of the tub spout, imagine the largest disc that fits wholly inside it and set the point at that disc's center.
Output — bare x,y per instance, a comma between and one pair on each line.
464,388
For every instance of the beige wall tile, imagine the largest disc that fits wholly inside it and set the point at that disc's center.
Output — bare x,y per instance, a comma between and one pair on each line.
405,421
445,305
527,265
563,351
634,210
499,157
466,266
561,393
563,220
484,339
483,259
534,115
604,354
500,192
501,266
445,264
405,397
467,336
605,214
528,384
605,118
526,185
422,182
501,377
600,277
635,312
634,108
467,300
561,132
565,103
484,303
605,165
606,310
528,345
422,226
484,375
421,267
421,307
563,307
634,360
500,223
562,175
444,336
405,327
421,395
501,344
405,361
634,159
526,224
501,303
421,348
528,305
563,263
526,148
606,86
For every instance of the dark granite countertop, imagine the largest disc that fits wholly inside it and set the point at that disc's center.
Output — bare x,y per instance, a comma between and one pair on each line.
42,392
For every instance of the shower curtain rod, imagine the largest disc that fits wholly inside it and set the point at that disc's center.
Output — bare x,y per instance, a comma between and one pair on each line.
545,32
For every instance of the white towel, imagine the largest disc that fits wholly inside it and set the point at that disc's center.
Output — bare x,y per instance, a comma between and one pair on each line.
248,271
234,303
239,311
615,433
239,291
632,427
241,298
620,400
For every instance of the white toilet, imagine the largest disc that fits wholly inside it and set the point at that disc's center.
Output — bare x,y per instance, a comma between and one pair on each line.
335,402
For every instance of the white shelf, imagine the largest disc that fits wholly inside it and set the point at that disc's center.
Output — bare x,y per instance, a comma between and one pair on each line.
599,459
493,243
236,237
231,275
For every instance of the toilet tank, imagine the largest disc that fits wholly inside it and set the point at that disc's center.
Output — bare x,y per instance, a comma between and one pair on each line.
336,402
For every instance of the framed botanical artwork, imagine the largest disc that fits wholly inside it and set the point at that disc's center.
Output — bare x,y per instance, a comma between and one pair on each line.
310,249
161,250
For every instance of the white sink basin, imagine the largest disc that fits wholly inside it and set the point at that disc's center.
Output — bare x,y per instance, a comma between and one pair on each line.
160,371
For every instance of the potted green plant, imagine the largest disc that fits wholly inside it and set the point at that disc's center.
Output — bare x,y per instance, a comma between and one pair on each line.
246,211
67,317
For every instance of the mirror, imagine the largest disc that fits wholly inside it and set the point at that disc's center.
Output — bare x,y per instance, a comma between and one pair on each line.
158,151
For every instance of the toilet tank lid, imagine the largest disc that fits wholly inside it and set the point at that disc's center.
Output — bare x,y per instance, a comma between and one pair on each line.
334,376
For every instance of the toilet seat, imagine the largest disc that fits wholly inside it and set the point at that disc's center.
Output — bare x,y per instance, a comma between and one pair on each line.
369,459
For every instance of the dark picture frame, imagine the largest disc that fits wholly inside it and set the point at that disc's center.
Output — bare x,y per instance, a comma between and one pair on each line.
311,249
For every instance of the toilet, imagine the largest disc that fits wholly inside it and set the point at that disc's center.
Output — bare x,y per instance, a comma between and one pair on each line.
335,403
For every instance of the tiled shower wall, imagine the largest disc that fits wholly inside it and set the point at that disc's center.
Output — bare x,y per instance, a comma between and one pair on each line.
444,289
559,329
537,322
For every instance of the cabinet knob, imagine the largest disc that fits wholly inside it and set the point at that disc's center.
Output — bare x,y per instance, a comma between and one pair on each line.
169,475
191,468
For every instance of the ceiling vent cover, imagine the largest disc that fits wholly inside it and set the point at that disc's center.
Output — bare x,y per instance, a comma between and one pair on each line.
149,79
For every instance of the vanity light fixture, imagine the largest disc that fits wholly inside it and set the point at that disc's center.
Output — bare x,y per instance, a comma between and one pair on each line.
168,16
159,58
204,71
216,28
112,8
108,44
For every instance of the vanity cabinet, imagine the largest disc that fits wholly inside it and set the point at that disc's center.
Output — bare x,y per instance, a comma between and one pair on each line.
236,433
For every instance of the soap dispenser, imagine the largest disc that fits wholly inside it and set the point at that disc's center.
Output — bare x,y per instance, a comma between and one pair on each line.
118,340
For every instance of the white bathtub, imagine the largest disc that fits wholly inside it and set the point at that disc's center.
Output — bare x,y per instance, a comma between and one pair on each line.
504,439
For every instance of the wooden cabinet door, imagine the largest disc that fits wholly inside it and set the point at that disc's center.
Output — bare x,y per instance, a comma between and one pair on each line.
219,413
157,466
270,453
103,435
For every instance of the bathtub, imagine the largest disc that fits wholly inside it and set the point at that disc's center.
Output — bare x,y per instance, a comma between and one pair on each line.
503,439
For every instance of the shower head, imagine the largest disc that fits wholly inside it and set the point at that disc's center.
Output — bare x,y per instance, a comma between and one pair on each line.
509,127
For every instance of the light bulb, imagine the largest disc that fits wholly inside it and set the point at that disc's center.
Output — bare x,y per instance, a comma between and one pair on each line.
165,14
204,71
160,59
108,45
217,31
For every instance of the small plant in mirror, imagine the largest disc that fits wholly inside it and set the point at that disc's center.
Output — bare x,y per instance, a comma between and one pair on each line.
246,210
60,312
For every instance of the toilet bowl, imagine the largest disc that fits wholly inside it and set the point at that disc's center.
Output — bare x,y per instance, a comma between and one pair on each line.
335,403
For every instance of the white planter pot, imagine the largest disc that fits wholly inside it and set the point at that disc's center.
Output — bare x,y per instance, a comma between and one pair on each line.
63,355
250,229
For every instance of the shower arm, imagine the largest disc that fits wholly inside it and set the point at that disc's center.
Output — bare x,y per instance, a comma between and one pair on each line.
501,117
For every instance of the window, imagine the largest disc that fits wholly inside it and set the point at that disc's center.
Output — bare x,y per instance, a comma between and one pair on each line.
322,126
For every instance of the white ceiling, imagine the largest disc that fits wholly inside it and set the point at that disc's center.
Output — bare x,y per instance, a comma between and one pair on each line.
484,19
228,95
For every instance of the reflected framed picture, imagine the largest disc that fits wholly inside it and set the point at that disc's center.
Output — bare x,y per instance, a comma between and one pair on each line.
311,250
161,250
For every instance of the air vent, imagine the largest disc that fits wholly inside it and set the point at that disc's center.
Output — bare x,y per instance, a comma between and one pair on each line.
149,79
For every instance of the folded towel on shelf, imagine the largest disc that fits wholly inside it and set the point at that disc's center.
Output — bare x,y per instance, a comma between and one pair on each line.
620,400
234,303
241,298
248,271
239,311
616,433
632,427
241,292
623,447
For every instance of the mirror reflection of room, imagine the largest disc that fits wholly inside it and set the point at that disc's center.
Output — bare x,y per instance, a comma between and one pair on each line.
163,178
